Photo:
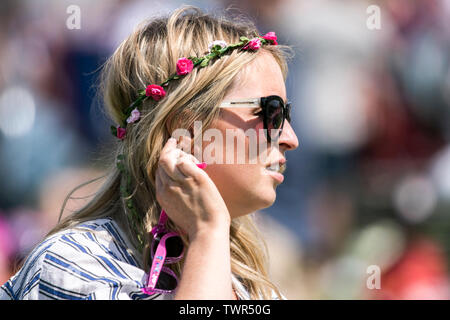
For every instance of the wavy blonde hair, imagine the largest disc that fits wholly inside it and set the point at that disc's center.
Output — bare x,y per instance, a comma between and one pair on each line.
147,56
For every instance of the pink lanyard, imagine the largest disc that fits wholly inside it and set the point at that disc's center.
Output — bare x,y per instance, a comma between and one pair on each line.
161,252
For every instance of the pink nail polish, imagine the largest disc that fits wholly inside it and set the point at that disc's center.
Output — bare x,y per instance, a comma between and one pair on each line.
201,165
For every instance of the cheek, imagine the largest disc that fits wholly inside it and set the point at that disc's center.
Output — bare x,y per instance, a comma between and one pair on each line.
242,182
242,186
235,178
249,147
237,147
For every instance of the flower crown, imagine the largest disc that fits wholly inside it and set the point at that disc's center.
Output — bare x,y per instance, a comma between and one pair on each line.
217,49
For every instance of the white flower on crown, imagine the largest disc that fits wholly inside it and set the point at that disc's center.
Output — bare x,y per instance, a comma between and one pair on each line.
221,43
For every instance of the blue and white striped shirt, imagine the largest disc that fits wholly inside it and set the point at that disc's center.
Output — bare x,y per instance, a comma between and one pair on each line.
90,261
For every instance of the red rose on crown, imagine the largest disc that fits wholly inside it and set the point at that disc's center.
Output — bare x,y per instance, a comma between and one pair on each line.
121,132
253,44
155,92
271,36
184,66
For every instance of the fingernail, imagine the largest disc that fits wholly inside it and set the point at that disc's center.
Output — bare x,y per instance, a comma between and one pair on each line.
202,165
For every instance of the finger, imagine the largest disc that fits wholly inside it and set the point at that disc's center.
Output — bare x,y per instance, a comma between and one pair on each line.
164,182
159,186
158,180
167,180
167,154
187,156
168,160
188,166
170,144
190,148
185,144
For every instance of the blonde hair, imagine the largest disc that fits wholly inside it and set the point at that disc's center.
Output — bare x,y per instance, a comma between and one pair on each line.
149,56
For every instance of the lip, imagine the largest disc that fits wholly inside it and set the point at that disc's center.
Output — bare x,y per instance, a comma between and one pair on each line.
275,175
279,163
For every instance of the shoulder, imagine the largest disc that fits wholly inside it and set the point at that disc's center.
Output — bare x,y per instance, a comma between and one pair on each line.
89,261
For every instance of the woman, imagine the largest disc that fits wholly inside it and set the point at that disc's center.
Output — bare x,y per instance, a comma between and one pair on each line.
195,68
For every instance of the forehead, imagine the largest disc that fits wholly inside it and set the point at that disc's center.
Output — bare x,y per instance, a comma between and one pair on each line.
262,77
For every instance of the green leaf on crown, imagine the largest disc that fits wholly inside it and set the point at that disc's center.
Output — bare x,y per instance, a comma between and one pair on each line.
120,166
245,40
195,60
204,62
216,49
114,131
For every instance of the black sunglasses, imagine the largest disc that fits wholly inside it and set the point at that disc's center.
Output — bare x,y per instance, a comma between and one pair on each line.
273,110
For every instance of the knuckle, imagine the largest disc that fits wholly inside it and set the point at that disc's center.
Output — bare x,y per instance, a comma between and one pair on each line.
196,179
181,162
190,180
163,160
173,188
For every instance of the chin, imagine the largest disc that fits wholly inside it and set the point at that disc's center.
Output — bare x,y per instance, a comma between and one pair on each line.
254,201
266,198
270,200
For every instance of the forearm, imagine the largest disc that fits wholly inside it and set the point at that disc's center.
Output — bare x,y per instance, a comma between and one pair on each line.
207,269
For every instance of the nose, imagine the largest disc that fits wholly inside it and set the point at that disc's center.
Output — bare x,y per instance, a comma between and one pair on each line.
288,139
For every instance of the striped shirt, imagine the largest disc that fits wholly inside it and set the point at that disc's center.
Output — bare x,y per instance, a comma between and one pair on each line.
91,261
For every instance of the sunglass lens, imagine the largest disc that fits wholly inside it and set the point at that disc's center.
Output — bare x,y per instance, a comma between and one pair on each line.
174,246
275,116
155,244
166,281
288,112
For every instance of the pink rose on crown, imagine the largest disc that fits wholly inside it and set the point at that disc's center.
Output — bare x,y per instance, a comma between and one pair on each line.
271,36
184,66
155,92
253,44
135,115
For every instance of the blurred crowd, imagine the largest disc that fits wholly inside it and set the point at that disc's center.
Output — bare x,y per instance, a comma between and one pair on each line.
368,186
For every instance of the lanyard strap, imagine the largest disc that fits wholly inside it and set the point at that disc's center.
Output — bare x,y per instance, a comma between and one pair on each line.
160,254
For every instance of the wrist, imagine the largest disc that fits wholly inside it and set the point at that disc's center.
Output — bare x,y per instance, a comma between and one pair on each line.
211,229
